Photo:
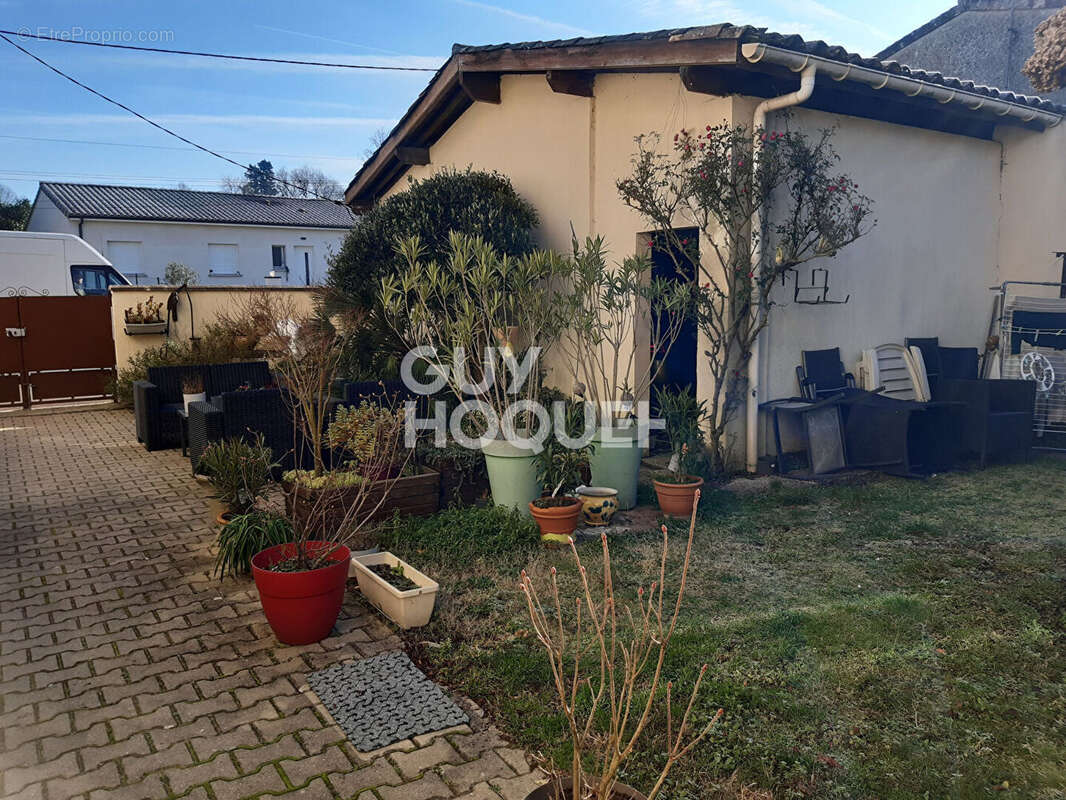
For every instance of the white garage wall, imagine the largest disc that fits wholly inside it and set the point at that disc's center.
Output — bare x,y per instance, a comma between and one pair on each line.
188,243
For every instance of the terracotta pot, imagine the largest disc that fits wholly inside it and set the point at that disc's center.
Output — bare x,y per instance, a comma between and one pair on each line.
675,499
547,792
224,517
302,607
557,523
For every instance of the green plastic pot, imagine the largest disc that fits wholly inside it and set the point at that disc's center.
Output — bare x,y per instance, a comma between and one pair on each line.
615,462
512,474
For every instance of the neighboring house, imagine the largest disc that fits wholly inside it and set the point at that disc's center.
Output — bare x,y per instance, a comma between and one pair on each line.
967,180
987,41
229,239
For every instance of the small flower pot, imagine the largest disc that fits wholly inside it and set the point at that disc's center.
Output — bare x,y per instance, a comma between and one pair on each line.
598,504
557,523
302,607
197,397
547,792
675,499
408,609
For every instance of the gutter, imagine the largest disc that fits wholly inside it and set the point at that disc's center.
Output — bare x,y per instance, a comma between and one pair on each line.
758,123
758,53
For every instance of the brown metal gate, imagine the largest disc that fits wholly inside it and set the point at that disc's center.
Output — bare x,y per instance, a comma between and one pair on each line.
55,349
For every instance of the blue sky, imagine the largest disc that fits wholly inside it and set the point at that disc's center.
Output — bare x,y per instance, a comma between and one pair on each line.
301,115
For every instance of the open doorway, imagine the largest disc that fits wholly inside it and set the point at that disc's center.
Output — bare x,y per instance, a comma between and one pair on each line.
671,262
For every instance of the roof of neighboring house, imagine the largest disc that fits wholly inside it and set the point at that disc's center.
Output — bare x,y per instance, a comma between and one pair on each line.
90,201
987,40
920,31
616,53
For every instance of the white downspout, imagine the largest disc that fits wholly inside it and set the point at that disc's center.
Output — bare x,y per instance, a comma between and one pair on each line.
758,123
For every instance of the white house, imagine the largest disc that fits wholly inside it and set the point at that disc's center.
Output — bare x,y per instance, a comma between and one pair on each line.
229,239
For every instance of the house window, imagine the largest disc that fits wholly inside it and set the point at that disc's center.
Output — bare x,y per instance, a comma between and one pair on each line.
222,261
277,253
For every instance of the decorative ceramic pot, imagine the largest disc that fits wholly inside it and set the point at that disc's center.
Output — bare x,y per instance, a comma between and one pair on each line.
675,499
558,522
598,504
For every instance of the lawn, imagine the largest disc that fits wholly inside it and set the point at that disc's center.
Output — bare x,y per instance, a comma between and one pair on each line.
898,639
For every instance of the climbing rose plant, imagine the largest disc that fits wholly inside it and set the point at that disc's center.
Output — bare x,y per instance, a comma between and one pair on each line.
760,218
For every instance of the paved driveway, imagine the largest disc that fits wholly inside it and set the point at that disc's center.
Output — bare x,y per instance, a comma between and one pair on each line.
128,671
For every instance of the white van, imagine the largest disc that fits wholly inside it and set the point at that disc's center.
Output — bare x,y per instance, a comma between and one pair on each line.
55,264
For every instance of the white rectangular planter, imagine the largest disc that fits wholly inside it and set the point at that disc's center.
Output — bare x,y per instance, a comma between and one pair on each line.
410,609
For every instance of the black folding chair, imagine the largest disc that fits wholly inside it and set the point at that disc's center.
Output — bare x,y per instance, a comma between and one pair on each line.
822,374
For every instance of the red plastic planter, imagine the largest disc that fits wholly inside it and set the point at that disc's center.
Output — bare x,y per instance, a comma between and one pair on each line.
302,607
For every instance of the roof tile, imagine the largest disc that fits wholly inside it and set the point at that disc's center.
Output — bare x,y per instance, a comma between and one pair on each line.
89,201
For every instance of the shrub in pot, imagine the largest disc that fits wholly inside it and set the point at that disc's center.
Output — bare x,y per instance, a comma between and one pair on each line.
676,486
561,466
607,307
239,470
481,321
623,692
301,583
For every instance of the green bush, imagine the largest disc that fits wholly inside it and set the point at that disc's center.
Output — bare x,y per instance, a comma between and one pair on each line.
473,202
245,536
217,345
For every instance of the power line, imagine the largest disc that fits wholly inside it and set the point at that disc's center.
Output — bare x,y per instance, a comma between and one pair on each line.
165,130
166,147
44,38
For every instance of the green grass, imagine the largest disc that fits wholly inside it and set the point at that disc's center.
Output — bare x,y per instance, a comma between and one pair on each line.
896,640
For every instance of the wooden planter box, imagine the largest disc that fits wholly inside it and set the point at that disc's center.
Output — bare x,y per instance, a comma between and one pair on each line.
418,495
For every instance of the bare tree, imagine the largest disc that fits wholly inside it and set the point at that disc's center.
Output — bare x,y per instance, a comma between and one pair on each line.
306,181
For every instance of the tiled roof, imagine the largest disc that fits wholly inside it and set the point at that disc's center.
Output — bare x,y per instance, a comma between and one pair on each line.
747,33
920,31
89,201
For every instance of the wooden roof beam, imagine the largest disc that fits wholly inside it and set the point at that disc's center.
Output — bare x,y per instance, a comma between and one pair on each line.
577,82
481,87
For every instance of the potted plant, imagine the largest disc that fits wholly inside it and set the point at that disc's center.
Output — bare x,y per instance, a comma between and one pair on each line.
481,321
396,589
301,582
683,416
366,440
621,695
608,308
145,318
239,470
560,466
246,535
192,388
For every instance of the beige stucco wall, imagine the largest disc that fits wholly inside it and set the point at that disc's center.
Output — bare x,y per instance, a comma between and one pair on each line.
207,303
1033,225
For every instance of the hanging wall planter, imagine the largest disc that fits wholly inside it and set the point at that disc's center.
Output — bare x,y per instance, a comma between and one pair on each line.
145,328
